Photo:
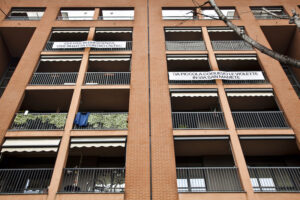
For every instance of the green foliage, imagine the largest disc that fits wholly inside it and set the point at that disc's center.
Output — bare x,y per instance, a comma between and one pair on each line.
108,121
58,120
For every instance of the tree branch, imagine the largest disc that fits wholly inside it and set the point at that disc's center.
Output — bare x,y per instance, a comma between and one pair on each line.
277,56
271,13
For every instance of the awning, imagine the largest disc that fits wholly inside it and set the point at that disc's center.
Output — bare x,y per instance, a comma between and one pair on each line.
236,57
187,57
179,138
98,142
221,29
30,145
250,94
193,94
60,58
268,137
70,30
183,30
109,58
114,30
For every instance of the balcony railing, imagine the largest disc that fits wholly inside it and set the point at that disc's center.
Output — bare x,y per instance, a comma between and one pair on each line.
24,18
75,18
198,120
29,181
107,78
128,47
180,17
280,16
54,78
208,179
259,119
39,121
185,46
105,121
49,47
93,180
192,82
275,179
230,45
116,17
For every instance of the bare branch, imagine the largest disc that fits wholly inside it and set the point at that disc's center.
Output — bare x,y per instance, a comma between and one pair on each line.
271,13
295,19
277,56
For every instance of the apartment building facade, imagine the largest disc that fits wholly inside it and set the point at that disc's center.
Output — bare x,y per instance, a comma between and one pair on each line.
132,99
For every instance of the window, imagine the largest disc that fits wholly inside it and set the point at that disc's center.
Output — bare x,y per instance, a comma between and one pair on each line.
191,185
117,14
269,12
178,14
263,184
26,14
76,14
210,13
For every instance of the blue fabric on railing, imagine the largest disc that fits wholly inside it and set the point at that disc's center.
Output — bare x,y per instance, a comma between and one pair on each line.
81,119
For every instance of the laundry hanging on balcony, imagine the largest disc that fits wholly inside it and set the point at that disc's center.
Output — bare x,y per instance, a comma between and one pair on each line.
81,119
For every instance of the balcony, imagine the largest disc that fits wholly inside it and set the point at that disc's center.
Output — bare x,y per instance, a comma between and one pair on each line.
34,159
56,70
225,39
95,165
116,14
184,39
269,12
189,113
114,39
25,14
76,14
61,39
205,164
103,110
255,109
179,14
273,162
42,110
182,67
108,70
210,13
245,69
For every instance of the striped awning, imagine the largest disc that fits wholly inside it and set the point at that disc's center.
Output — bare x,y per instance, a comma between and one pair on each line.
109,58
97,142
221,29
250,94
194,94
236,57
70,30
183,29
60,58
31,145
113,30
187,57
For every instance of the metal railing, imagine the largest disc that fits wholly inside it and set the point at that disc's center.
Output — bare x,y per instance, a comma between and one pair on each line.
230,45
54,78
93,180
259,119
39,121
246,81
75,17
208,179
192,82
29,181
265,16
49,47
128,47
107,78
105,121
116,17
180,17
275,179
24,18
185,46
198,120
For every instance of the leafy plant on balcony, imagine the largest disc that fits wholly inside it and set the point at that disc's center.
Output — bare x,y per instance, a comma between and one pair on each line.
57,120
108,121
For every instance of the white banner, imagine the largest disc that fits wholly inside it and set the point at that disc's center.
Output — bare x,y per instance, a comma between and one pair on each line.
92,44
189,76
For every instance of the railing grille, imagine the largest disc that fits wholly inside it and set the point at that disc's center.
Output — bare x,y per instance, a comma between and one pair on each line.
208,179
49,47
275,179
93,180
268,119
30,181
230,45
106,121
185,45
23,18
198,120
280,16
39,121
64,78
107,78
